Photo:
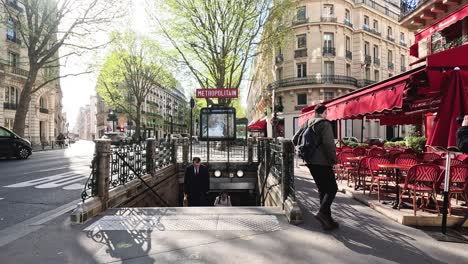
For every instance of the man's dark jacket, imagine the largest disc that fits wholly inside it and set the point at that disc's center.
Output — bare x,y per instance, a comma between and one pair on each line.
196,184
462,139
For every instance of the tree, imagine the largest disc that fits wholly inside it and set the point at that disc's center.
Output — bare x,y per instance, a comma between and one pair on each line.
133,69
45,26
218,39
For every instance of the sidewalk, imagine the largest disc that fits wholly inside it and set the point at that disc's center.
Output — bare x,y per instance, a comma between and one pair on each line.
233,235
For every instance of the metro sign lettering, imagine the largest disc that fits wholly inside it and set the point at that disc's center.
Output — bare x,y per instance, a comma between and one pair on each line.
218,93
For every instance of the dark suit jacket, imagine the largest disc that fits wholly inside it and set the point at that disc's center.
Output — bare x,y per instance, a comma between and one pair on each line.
196,184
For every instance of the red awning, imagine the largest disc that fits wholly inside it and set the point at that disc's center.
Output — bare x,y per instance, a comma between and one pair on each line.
448,59
260,125
449,20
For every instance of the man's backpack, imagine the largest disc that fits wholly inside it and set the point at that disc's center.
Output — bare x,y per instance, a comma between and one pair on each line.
308,143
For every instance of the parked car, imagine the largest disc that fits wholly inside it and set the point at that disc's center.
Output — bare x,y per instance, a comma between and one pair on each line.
117,138
12,145
351,139
375,142
395,139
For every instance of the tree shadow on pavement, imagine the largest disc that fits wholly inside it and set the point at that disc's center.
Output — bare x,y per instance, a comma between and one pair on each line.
359,231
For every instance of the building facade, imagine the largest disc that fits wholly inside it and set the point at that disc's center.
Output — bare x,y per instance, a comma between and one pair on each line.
45,119
335,47
164,111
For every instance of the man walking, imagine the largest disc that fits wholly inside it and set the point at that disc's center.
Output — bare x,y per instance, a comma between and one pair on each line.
196,183
320,164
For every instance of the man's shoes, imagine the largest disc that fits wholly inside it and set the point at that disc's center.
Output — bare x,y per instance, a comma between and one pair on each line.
327,222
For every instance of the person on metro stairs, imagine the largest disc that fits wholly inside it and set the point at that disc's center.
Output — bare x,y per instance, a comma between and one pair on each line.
196,183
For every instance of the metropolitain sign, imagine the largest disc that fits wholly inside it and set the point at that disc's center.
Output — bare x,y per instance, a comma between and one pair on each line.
218,93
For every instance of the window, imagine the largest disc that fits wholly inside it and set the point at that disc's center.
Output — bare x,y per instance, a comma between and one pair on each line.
329,68
348,44
4,133
13,59
301,41
376,25
348,70
279,74
328,96
376,52
390,56
377,76
328,40
366,22
390,75
366,48
328,11
11,95
367,73
390,32
42,103
301,13
302,99
402,37
11,29
301,70
9,123
347,15
402,61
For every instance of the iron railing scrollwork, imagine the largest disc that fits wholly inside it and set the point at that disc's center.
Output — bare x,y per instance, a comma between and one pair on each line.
91,185
134,155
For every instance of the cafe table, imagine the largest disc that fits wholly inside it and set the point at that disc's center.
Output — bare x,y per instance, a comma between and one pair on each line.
356,160
397,168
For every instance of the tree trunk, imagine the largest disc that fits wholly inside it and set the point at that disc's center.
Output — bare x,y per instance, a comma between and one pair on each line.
137,122
23,106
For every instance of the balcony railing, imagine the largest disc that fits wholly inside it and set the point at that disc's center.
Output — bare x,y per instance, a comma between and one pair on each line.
300,21
14,70
329,51
330,19
13,39
390,38
279,58
380,8
391,66
323,79
375,32
367,59
348,23
364,83
402,68
44,110
377,61
349,55
402,43
11,106
407,7
300,53
299,107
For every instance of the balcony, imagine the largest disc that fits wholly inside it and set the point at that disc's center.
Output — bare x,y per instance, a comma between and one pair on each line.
403,43
13,39
390,38
11,106
323,79
328,19
348,23
376,61
349,55
300,53
367,59
375,32
330,51
44,110
378,7
402,68
364,83
299,107
300,21
279,58
391,66
14,70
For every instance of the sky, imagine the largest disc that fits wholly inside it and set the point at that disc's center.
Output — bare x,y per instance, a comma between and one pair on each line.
77,90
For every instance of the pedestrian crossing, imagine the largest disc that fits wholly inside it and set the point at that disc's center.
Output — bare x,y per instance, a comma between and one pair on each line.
72,180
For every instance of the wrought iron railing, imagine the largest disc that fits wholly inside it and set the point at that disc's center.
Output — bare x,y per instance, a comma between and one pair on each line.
275,161
91,185
391,66
14,39
15,70
163,155
300,53
402,43
11,106
329,19
220,151
124,156
349,55
329,51
376,61
323,79
348,23
300,21
380,8
390,38
367,59
408,6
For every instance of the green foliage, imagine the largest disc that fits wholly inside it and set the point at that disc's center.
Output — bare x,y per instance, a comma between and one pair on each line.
417,144
352,144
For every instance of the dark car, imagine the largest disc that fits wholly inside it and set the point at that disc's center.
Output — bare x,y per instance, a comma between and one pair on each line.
12,145
375,142
117,138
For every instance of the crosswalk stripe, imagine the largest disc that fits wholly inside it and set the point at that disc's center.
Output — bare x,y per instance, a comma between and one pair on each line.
66,181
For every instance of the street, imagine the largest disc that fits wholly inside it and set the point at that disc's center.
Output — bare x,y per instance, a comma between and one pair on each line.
45,181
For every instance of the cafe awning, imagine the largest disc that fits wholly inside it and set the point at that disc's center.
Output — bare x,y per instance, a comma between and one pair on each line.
259,125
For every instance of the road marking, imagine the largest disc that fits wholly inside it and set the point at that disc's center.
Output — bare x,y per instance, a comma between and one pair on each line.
54,181
1,199
12,233
75,186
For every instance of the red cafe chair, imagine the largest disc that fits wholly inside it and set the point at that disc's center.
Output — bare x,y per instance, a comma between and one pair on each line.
378,174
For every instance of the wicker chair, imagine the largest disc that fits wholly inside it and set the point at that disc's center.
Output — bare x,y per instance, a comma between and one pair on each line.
378,174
